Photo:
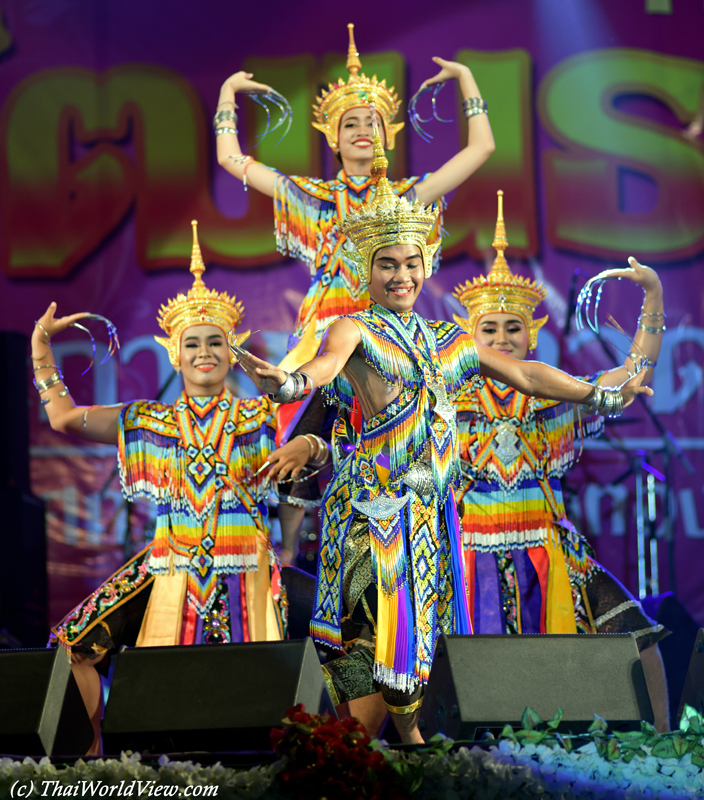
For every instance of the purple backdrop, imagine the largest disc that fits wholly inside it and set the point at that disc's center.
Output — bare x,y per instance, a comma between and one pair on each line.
107,153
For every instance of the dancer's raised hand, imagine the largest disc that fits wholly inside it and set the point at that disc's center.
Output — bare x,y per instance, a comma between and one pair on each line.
48,325
637,273
265,376
449,70
242,82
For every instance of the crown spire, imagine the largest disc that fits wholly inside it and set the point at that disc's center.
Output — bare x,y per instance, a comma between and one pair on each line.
200,306
380,164
197,265
353,62
500,268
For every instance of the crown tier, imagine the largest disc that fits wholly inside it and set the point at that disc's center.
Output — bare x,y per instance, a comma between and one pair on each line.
357,91
501,290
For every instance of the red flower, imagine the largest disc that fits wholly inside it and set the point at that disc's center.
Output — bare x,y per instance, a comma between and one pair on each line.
327,757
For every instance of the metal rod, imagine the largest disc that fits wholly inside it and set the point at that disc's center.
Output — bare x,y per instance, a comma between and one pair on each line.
652,536
640,533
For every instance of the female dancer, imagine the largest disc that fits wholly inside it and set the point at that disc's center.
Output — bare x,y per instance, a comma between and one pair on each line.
528,570
210,575
309,211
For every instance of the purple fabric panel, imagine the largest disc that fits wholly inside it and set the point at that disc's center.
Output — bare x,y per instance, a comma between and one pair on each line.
404,655
233,593
463,624
198,636
528,587
488,604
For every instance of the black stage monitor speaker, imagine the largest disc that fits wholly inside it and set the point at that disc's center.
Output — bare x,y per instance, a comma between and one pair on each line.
479,683
41,709
215,698
693,692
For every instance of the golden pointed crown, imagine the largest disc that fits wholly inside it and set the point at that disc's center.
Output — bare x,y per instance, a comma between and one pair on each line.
358,91
501,290
201,306
388,219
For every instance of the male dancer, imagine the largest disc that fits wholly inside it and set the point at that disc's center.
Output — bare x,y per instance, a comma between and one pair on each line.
390,574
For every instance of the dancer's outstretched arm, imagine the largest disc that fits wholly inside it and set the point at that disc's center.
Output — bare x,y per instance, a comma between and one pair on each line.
540,380
338,344
95,423
529,377
480,143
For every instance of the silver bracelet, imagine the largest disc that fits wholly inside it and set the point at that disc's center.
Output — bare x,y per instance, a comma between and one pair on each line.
474,105
45,385
224,116
613,403
294,388
653,314
607,402
218,131
650,329
636,357
596,402
286,390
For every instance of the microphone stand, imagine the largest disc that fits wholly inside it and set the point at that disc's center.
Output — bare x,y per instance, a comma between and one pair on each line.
670,446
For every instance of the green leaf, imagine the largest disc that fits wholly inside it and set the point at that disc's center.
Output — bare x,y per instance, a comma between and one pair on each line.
532,737
612,750
530,719
665,748
599,724
628,735
681,745
698,760
692,721
507,733
556,720
646,727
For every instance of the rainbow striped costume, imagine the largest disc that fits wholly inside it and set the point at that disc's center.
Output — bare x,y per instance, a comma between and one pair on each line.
526,564
210,569
307,213
400,477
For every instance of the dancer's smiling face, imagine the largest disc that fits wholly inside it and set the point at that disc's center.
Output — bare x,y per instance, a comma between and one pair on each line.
506,333
205,360
397,276
354,137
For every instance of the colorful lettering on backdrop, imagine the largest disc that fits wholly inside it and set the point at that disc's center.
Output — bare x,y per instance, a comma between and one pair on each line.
104,163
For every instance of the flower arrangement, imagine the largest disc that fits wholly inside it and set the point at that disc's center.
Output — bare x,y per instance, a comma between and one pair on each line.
319,756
